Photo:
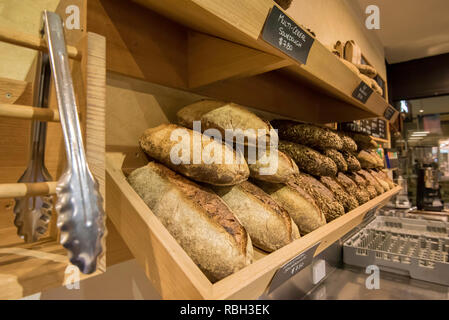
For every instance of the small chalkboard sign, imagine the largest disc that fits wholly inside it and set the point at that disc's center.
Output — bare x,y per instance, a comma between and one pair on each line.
362,92
389,112
283,33
292,267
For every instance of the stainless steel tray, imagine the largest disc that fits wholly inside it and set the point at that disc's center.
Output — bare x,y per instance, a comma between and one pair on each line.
416,247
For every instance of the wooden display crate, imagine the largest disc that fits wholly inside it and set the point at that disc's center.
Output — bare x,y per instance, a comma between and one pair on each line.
30,268
167,265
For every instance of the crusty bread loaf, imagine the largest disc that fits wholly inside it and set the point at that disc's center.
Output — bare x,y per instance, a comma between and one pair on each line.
385,177
363,184
286,168
349,144
299,204
307,134
367,161
380,179
323,197
225,116
338,158
372,181
309,160
377,158
353,163
348,184
363,140
197,218
268,224
367,70
162,142
347,200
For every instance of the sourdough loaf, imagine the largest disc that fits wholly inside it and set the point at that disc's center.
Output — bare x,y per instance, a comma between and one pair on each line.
299,204
197,218
347,200
309,160
268,224
286,168
166,140
323,197
349,185
307,134
338,158
367,161
363,184
372,181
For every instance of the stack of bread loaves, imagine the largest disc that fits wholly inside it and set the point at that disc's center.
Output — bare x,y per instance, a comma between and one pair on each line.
217,198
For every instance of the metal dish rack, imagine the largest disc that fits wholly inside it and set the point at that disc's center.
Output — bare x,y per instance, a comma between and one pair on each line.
415,247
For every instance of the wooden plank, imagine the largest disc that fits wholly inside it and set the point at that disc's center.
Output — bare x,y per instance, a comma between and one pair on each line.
11,90
211,59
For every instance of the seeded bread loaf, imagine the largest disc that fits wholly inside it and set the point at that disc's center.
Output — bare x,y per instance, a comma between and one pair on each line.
309,160
299,204
363,184
286,168
349,185
380,180
353,163
197,218
176,147
246,126
385,177
362,140
367,161
323,197
338,158
349,144
307,134
348,201
268,224
372,181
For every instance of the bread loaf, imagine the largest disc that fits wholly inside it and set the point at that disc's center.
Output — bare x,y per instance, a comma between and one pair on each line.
372,181
353,163
363,140
380,180
322,196
286,168
222,116
385,177
268,224
348,201
299,204
349,144
307,134
338,158
308,159
367,70
197,218
367,161
377,158
169,142
363,184
349,185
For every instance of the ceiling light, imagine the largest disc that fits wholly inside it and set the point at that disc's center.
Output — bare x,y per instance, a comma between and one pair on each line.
416,133
416,138
419,135
421,110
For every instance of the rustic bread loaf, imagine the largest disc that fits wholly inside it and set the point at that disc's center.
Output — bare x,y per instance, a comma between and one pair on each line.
162,142
322,196
377,158
349,144
286,168
380,180
368,177
309,160
363,184
348,201
363,140
299,204
338,158
367,70
268,224
197,218
226,116
349,185
353,163
307,134
367,161
386,178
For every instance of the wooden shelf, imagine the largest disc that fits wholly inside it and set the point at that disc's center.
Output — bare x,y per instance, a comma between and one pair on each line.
170,269
214,48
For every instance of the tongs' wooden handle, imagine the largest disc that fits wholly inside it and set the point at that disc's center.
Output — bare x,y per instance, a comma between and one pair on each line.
80,205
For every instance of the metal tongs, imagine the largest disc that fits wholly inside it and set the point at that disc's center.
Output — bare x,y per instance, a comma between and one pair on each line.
79,202
33,214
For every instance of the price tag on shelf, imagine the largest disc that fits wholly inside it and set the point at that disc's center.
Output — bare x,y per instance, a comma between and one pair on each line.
362,92
389,112
283,33
292,267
